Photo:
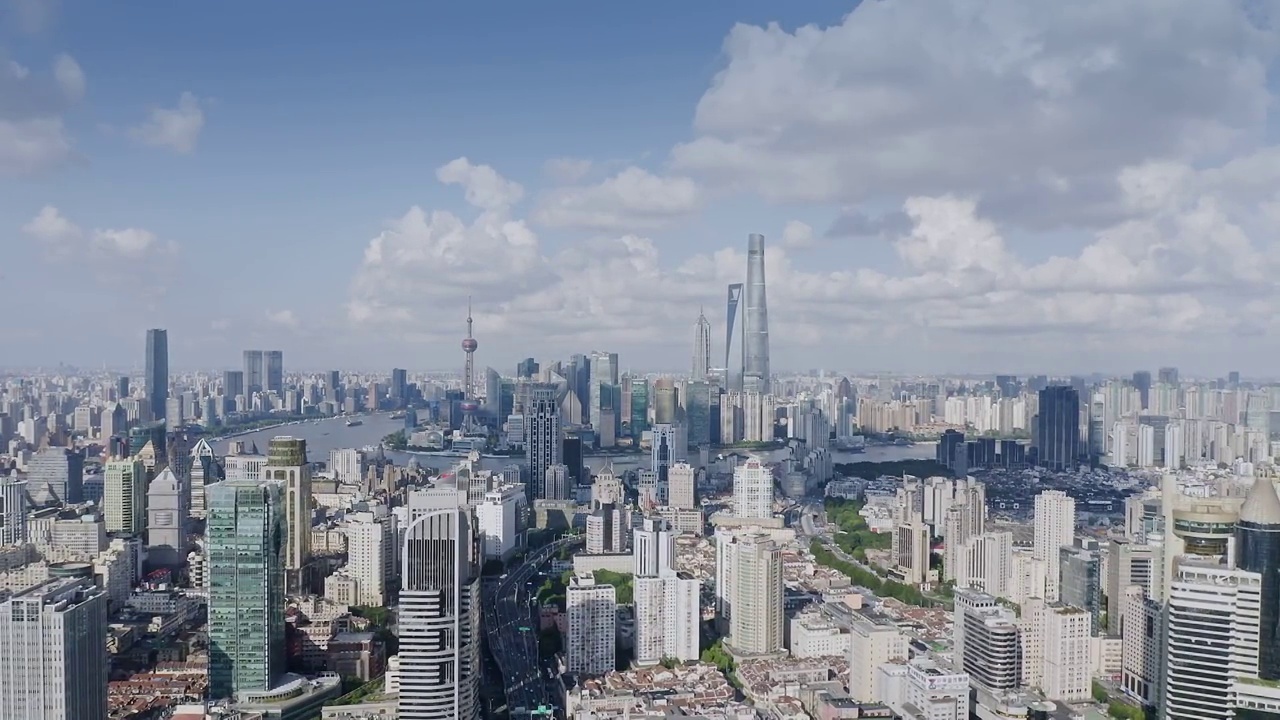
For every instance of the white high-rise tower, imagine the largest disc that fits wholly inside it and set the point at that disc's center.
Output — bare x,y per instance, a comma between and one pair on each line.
439,619
753,490
1055,528
13,510
53,652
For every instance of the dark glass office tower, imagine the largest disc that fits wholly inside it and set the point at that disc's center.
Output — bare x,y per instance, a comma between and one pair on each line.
528,368
1142,381
1058,428
1258,550
253,372
232,385
399,383
333,385
122,387
273,371
157,371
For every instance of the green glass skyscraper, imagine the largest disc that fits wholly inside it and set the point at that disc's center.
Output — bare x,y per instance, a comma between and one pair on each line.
639,409
246,536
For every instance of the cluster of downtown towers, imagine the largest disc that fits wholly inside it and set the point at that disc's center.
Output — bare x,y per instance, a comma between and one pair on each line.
263,372
260,514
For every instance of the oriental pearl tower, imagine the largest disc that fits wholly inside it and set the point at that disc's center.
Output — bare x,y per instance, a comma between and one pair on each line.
469,404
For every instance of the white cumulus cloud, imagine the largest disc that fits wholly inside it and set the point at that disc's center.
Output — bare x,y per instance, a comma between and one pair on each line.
51,226
33,133
283,318
70,77
177,128
1033,107
485,188
632,199
129,242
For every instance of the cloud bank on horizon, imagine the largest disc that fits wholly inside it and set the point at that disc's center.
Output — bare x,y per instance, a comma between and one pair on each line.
1039,185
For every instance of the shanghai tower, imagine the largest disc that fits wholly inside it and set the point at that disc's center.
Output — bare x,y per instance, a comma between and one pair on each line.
755,324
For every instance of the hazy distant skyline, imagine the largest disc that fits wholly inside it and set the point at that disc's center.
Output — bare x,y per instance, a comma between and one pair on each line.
977,186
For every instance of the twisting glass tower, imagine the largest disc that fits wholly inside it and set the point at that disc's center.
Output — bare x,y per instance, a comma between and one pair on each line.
755,321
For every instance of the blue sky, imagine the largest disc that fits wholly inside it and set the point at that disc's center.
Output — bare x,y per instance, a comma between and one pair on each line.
322,124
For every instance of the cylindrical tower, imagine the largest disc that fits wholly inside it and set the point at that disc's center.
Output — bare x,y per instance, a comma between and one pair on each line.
1258,550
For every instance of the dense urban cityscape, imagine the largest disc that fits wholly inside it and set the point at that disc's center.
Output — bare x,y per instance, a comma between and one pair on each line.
568,540
877,359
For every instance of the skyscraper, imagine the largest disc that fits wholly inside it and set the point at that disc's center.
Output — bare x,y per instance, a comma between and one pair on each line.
1258,550
1211,641
253,372
541,436
157,378
755,321
701,347
333,386
399,388
58,471
682,487
232,386
273,371
1142,381
13,510
697,411
527,368
639,407
1055,528
666,602
124,491
603,387
756,622
653,548
730,316
287,465
246,540
439,618
166,521
53,652
753,490
1058,428
670,445
665,401
593,622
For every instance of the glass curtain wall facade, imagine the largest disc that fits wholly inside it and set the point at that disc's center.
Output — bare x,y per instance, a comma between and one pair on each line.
246,540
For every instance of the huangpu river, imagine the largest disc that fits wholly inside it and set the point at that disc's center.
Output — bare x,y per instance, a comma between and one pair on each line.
334,434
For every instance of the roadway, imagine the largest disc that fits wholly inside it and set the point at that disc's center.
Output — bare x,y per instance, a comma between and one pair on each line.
506,610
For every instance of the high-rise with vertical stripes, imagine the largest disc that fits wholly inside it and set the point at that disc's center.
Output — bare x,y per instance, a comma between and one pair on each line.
53,652
439,617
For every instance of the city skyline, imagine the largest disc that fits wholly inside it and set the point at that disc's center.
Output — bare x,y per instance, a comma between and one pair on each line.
945,227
